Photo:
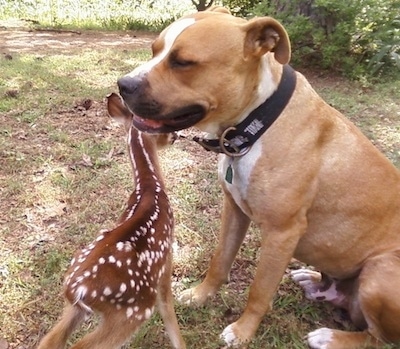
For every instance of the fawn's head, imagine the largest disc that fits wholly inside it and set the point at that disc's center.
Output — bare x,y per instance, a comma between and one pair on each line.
119,112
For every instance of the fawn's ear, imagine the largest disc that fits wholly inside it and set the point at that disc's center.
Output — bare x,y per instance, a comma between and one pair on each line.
266,34
118,111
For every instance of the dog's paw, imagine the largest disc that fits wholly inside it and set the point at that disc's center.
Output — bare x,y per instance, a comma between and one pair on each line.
318,289
228,336
309,281
231,338
305,276
192,297
320,339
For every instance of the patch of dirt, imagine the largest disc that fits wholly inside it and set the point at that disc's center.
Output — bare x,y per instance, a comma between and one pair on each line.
16,36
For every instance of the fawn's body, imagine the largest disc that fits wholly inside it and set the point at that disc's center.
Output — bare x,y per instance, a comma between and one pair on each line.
124,272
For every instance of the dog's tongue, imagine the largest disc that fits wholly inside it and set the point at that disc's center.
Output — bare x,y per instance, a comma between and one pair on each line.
146,124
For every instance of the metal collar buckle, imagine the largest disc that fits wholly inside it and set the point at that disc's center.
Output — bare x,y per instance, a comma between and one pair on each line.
235,150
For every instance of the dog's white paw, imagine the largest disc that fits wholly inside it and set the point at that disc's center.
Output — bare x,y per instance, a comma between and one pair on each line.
229,337
320,339
192,297
305,276
310,282
186,297
236,336
317,289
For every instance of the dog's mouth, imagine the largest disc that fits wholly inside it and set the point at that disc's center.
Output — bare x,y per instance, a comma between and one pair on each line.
175,121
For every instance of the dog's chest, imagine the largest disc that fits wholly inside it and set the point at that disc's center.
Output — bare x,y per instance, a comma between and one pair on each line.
235,174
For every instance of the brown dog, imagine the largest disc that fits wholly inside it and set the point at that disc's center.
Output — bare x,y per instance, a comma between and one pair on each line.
316,187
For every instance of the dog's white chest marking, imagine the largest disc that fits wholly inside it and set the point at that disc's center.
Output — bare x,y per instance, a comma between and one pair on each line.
173,32
235,172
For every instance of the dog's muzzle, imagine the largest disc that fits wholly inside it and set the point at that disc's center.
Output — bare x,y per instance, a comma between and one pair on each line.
148,114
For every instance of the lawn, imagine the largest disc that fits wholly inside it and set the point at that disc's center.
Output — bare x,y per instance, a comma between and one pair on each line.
65,175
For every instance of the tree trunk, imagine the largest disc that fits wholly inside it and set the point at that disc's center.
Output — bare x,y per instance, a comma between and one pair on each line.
202,5
306,8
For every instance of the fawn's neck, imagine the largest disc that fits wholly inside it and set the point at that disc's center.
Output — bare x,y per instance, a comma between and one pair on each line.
146,173
136,250
144,159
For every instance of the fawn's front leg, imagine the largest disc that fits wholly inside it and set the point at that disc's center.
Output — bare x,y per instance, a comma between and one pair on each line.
165,303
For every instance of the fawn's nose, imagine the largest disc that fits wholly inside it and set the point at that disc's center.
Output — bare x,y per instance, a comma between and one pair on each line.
128,85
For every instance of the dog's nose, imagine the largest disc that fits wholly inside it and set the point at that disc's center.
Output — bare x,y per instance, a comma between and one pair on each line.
128,85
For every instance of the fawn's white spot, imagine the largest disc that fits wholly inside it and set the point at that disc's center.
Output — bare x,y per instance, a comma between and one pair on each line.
129,312
122,288
107,291
147,313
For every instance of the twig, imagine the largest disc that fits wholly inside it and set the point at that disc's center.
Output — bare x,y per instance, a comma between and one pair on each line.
57,30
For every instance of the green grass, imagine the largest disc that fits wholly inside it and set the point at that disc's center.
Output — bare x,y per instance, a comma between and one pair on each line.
106,14
65,175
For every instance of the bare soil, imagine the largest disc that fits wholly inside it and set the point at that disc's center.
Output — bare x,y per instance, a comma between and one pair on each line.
15,36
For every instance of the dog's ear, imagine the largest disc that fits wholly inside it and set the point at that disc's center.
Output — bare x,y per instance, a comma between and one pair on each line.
266,34
118,111
219,9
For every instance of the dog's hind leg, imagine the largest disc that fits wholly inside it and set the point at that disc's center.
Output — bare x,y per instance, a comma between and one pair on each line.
326,338
372,300
379,296
233,230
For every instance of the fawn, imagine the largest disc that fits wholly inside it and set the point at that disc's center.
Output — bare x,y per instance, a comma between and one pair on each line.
126,271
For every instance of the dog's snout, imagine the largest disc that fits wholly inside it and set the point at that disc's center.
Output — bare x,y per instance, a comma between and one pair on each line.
128,85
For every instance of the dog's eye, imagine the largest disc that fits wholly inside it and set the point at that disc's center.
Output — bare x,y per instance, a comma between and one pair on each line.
177,62
183,64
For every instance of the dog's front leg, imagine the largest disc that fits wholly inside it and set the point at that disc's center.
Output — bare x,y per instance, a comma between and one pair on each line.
277,248
234,226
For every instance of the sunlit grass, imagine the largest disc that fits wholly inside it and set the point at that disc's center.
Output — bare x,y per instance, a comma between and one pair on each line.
106,14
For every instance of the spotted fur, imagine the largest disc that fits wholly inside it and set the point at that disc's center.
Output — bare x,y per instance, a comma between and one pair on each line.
124,272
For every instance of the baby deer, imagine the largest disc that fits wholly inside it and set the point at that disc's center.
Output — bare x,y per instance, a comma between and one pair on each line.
126,271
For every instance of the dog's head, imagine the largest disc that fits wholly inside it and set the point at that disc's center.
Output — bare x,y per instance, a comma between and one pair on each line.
205,71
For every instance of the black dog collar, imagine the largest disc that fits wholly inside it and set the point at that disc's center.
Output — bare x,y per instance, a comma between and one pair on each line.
237,140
